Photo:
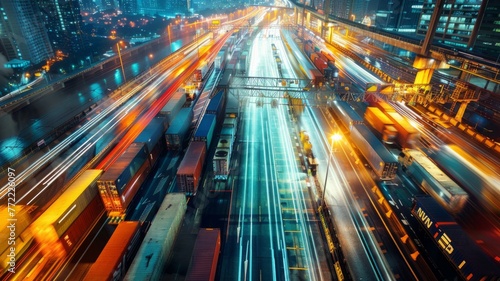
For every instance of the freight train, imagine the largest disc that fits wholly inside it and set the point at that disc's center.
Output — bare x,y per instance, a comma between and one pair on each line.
468,259
383,163
157,245
433,180
323,61
305,64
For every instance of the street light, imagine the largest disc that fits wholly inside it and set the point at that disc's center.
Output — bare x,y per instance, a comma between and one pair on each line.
121,61
335,137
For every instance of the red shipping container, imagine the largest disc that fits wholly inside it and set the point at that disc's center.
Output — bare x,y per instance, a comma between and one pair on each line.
189,172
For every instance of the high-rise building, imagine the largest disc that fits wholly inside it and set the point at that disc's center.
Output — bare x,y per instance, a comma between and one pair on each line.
62,21
399,15
164,7
487,41
457,22
341,8
128,6
22,36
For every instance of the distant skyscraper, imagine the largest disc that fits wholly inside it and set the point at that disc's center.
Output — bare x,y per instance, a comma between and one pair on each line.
22,35
164,7
399,15
487,41
62,21
129,6
341,8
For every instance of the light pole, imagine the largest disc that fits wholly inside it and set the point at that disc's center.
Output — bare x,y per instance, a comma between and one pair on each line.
121,61
335,138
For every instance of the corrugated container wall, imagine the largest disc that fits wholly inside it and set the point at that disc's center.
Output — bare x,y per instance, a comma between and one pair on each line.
157,245
203,265
173,106
206,129
176,133
189,172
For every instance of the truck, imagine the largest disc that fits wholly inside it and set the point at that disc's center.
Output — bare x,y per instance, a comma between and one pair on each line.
173,106
156,247
383,163
463,253
177,132
123,178
433,180
203,265
117,255
382,124
407,134
77,207
206,129
190,168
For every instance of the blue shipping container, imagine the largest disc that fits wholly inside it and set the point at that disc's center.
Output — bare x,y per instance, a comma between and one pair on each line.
205,130
152,133
176,133
216,103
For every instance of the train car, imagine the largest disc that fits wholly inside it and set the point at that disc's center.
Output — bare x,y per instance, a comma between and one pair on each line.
117,255
433,180
203,265
205,130
222,157
347,115
154,138
481,181
382,124
177,132
49,228
173,106
157,245
407,134
190,168
461,251
216,105
383,163
121,181
232,107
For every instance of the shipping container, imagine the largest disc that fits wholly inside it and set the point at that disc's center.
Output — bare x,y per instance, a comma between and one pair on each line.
121,181
216,105
318,78
78,231
157,245
433,180
232,107
382,124
407,134
347,115
173,106
383,163
384,106
117,255
154,138
222,156
189,172
200,72
470,261
320,65
203,265
478,179
230,123
206,129
177,132
56,220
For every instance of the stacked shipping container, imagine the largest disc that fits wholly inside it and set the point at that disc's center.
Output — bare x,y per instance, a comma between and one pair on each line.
189,172
177,132
203,265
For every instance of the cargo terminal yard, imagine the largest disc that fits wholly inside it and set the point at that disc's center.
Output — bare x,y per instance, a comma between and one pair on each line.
188,172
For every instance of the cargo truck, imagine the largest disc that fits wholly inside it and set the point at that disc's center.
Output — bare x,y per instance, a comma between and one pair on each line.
190,168
382,124
203,265
157,245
